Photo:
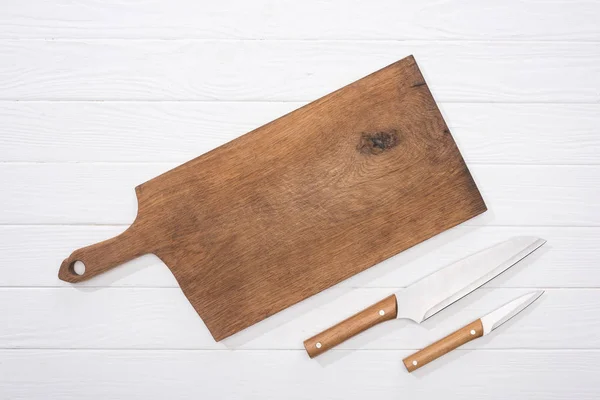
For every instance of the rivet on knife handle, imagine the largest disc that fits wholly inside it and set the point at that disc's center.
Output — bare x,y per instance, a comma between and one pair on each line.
464,335
384,310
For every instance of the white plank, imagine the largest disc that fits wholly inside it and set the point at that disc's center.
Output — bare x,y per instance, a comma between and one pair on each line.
41,193
179,131
519,375
336,19
127,131
163,319
72,193
31,256
291,70
539,195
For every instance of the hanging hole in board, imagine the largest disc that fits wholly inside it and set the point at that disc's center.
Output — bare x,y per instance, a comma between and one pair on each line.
78,268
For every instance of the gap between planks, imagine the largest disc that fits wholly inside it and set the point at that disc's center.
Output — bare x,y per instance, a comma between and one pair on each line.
299,40
185,350
258,101
466,224
488,286
176,163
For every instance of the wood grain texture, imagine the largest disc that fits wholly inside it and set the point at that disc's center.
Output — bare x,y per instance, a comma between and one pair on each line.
382,311
118,131
159,70
277,19
301,203
443,346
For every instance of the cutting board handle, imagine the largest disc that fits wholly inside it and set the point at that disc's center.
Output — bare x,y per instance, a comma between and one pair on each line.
101,257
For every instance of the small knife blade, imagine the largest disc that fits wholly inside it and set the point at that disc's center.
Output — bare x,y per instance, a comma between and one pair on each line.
476,329
501,315
426,297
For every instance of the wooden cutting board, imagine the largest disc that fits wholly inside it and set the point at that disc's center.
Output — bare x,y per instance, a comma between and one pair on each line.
301,203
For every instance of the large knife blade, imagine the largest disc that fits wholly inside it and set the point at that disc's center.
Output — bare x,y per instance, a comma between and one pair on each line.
472,331
426,297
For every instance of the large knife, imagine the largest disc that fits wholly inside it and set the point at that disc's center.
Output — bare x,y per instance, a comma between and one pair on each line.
474,330
431,294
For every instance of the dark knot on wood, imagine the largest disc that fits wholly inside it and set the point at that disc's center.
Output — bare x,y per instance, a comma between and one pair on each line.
378,142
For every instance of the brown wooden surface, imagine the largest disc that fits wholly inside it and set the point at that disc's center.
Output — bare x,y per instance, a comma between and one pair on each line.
301,203
381,311
456,339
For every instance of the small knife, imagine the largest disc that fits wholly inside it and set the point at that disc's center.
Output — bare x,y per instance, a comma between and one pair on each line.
431,294
474,330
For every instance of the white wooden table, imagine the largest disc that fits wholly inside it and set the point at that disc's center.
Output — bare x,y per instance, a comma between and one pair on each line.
99,96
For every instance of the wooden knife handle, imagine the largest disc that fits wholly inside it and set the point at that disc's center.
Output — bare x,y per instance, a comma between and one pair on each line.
101,257
464,335
384,310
